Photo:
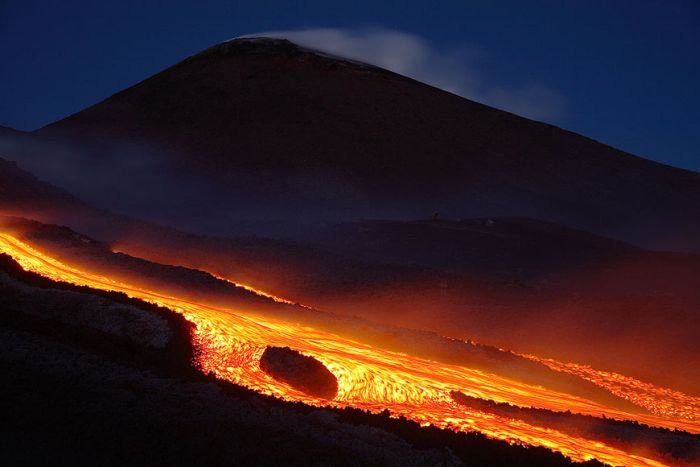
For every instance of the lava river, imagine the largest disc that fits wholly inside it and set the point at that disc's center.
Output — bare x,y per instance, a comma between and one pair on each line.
230,342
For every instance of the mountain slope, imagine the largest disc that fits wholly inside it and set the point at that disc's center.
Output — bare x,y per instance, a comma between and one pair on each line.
290,130
499,247
7,131
21,191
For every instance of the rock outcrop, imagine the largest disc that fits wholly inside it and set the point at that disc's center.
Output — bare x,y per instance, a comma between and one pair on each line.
299,371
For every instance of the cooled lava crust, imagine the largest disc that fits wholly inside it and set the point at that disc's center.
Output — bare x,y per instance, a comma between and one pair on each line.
299,371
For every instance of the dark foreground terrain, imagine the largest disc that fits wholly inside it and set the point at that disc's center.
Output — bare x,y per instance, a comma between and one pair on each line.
92,378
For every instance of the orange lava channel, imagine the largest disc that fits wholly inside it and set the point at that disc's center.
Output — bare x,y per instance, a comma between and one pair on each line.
230,343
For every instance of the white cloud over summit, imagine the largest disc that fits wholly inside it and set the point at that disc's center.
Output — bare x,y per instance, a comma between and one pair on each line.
411,55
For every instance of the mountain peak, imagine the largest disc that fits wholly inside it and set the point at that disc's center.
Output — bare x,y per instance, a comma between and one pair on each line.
256,46
240,47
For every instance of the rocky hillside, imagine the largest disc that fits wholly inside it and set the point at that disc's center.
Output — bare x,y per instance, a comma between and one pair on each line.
101,379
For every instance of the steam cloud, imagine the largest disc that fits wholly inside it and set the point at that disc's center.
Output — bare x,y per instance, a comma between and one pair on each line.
411,55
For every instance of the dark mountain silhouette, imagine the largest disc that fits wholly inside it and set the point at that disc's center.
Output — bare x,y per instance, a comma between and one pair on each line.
305,135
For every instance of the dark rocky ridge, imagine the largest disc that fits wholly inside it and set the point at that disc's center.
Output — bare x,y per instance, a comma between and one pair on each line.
675,447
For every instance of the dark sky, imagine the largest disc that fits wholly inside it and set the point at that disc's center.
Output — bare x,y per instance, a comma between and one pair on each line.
623,72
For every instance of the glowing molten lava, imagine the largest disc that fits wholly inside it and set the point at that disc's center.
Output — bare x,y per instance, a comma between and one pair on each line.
230,343
660,401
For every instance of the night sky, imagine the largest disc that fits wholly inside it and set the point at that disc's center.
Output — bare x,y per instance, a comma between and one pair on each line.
624,72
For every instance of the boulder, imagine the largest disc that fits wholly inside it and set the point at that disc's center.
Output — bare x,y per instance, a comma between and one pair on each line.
304,373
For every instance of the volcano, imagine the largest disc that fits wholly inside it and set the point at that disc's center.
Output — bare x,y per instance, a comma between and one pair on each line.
293,130
313,143
316,229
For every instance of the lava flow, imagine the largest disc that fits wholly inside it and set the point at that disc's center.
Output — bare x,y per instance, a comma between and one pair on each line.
660,401
230,343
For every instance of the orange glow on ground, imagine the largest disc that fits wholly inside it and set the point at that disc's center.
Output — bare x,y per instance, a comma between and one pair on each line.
230,343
